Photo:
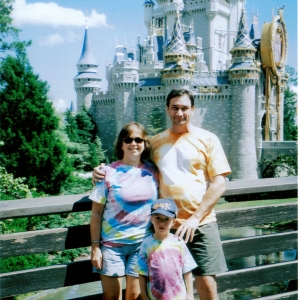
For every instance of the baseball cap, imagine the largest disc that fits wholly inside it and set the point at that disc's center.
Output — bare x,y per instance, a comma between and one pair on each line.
166,207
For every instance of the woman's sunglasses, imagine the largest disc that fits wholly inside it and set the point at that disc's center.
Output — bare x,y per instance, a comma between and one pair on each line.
129,140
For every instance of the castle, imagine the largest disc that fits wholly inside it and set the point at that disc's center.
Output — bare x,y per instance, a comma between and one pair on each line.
237,78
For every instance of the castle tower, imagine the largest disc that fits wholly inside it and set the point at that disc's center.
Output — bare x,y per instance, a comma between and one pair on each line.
178,71
148,9
243,75
124,79
86,82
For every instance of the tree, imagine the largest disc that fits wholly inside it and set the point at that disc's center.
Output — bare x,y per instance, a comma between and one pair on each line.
8,34
31,147
156,119
85,148
290,104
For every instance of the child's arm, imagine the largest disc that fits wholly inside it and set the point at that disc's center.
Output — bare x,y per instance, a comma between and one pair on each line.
143,286
188,279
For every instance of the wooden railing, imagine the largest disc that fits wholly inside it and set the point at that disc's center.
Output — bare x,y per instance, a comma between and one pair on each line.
58,239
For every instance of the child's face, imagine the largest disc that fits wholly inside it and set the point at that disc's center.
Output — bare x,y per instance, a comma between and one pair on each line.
161,223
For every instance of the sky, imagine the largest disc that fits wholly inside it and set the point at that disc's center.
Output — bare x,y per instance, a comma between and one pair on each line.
56,29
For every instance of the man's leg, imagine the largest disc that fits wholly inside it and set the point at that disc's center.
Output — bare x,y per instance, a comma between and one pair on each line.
206,287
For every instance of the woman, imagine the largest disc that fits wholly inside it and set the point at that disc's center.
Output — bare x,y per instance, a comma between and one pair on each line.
120,210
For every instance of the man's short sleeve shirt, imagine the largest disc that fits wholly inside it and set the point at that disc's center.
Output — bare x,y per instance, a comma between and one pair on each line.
186,162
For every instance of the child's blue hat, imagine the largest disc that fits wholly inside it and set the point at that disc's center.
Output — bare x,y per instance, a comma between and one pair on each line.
166,207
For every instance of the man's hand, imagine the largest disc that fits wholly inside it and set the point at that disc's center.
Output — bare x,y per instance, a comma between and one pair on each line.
96,257
98,175
188,228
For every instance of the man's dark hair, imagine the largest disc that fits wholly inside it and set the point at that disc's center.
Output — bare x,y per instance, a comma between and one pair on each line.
179,92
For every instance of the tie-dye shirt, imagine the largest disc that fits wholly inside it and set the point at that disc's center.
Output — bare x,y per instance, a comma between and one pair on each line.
186,162
127,193
164,263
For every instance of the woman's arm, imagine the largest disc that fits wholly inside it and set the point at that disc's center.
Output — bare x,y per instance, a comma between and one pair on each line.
143,286
95,229
188,279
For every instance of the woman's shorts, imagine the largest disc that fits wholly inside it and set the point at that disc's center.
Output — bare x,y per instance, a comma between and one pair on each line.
206,249
119,261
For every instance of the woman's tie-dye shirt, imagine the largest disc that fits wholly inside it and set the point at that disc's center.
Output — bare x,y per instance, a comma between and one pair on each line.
127,193
164,263
186,162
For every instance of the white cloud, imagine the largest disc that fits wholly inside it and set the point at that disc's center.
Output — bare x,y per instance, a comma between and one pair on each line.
60,105
52,39
58,38
52,14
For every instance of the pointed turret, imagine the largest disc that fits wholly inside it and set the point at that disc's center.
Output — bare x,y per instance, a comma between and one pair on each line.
87,82
254,30
243,76
178,69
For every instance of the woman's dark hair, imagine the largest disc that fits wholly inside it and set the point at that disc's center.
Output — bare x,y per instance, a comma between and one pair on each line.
179,92
124,133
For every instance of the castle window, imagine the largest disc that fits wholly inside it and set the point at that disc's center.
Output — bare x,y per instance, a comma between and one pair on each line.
78,79
195,87
89,79
205,87
141,90
149,89
226,87
159,87
88,66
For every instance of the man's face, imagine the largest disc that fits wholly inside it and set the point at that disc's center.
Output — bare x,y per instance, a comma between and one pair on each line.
180,110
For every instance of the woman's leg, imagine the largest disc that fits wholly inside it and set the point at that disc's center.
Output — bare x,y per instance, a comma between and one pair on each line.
133,291
112,287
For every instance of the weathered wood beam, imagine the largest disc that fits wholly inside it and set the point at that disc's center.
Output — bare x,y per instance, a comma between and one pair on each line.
73,203
246,278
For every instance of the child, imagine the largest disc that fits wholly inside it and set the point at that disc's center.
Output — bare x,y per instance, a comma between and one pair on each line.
164,262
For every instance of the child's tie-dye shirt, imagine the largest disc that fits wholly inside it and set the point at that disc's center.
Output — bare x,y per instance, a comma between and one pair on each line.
164,263
127,193
186,162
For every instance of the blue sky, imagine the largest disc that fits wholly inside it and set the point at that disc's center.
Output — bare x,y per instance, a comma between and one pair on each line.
56,29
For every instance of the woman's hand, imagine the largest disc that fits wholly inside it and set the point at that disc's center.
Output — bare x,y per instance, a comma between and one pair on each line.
96,257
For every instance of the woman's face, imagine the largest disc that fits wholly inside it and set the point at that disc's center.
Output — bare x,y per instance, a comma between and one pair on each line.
134,145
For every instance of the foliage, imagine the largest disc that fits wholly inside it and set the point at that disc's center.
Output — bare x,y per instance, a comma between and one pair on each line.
44,222
76,185
290,106
31,147
13,188
286,165
157,121
290,115
84,148
8,34
23,262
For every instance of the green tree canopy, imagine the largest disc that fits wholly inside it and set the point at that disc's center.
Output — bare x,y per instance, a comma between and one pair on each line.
85,148
290,107
9,40
31,148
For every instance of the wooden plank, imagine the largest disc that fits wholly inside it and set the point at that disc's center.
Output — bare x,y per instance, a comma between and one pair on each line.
72,203
80,272
257,215
40,241
48,240
263,244
45,205
284,296
263,185
246,278
20,282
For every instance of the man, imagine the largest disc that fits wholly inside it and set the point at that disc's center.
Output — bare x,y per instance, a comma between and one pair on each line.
192,167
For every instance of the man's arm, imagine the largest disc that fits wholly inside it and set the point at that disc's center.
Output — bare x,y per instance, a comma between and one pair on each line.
98,175
215,190
143,286
188,280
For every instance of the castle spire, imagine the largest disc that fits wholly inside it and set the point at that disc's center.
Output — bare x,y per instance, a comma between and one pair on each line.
243,39
177,43
87,57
